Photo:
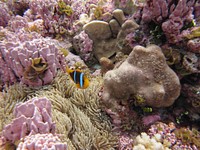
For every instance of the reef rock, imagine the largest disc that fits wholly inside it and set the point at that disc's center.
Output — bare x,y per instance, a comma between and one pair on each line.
144,75
104,35
98,30
118,14
129,26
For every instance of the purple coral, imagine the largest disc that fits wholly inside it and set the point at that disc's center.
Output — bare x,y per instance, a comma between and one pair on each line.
31,117
194,45
191,93
42,141
18,22
168,136
29,58
171,16
83,45
150,119
125,142
72,59
5,14
54,19
18,7
47,10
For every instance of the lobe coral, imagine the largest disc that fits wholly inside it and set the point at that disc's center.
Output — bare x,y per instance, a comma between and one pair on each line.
31,117
144,76
29,58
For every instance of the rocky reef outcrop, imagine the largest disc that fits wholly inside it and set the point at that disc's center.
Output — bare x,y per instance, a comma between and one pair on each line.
144,75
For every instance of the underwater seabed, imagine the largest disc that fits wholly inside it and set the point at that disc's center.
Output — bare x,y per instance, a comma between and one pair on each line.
99,74
75,112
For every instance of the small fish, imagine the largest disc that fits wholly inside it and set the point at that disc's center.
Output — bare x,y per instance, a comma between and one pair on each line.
78,77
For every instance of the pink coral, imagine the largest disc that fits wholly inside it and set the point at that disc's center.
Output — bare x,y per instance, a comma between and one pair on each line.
83,45
55,21
31,117
197,12
170,15
194,45
168,136
42,141
5,14
18,7
72,59
29,58
47,10
150,119
125,142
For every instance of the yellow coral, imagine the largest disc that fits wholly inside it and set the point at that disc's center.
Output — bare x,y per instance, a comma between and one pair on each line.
64,51
2,35
194,33
98,12
63,8
37,67
139,100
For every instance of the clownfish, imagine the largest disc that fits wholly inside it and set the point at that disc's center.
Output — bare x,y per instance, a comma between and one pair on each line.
78,77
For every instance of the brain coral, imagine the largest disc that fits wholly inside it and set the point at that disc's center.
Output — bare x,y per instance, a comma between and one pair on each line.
144,75
29,58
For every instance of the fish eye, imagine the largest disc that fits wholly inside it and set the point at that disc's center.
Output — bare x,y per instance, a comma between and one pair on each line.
72,67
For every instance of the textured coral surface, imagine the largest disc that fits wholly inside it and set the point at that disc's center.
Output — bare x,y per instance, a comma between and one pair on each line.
145,74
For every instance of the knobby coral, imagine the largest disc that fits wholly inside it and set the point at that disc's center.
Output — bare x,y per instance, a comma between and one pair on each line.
42,141
144,75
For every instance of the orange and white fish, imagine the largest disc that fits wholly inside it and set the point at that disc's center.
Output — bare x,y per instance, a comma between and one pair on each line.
78,77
